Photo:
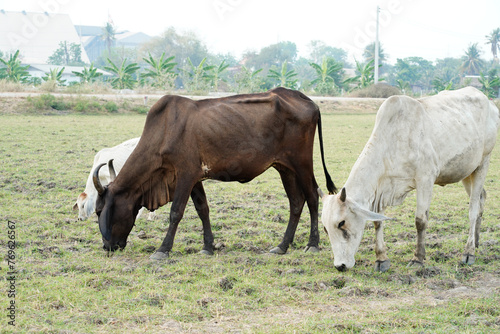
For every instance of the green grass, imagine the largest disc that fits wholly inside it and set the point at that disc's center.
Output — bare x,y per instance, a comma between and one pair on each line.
66,283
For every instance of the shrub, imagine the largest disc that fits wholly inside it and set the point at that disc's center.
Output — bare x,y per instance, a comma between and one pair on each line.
110,106
48,101
380,90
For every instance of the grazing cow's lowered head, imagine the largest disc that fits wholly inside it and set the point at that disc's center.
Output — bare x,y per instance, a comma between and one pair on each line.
344,221
114,236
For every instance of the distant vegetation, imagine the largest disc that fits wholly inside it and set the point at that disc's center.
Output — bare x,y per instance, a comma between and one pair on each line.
181,62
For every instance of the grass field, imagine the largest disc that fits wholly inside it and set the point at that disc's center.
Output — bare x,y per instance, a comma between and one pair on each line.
66,283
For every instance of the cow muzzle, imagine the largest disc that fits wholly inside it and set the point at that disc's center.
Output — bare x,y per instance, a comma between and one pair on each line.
111,247
341,268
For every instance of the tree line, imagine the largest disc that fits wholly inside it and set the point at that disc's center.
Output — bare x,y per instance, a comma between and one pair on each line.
181,61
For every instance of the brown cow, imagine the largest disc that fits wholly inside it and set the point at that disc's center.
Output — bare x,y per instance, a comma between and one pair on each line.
229,139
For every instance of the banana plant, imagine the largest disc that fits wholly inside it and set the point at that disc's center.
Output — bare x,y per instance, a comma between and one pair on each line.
161,71
13,70
124,75
284,78
55,74
88,74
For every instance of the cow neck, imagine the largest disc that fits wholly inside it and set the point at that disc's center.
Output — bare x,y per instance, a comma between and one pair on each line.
372,182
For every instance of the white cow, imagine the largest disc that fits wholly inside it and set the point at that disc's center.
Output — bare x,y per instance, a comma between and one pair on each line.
85,203
415,144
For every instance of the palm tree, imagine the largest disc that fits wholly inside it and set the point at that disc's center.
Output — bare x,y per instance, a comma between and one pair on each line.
472,62
284,77
108,35
369,53
494,40
124,74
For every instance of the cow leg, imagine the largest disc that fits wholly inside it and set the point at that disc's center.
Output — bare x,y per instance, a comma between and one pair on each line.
310,190
181,197
200,203
297,200
424,196
474,184
383,263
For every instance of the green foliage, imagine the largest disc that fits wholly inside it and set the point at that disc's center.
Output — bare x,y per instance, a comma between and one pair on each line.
472,62
124,75
215,75
439,84
55,75
47,102
284,77
326,75
108,35
248,81
161,72
12,70
88,75
67,54
366,76
490,83
494,40
197,79
111,106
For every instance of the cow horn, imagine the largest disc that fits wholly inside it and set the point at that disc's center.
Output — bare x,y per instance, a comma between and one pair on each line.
97,182
112,173
343,195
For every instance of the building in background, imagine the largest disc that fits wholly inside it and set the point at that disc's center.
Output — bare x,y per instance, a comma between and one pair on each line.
36,35
94,44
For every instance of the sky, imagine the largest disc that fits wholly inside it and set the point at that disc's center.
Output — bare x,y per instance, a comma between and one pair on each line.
431,29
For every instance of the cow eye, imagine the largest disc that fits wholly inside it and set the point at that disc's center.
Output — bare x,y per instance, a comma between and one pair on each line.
341,224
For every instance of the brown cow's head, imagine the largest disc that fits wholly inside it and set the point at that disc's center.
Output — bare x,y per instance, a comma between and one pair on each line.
116,212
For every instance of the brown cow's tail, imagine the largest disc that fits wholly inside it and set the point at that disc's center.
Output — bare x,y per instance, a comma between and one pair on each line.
329,183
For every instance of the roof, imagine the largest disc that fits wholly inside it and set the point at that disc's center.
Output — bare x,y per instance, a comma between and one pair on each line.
36,35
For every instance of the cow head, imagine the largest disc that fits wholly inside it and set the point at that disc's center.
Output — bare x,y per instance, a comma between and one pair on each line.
344,221
83,206
116,212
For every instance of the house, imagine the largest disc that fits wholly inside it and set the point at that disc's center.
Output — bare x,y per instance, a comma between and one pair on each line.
36,35
94,44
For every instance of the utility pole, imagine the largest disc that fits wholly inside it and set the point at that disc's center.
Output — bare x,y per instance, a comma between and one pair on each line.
376,49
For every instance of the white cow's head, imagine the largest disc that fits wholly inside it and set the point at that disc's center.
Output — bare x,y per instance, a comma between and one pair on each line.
84,206
344,221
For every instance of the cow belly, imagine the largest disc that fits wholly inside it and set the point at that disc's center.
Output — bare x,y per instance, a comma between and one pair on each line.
458,168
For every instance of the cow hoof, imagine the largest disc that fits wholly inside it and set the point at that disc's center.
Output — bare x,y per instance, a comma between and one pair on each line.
311,249
277,250
468,259
206,252
159,256
382,266
415,264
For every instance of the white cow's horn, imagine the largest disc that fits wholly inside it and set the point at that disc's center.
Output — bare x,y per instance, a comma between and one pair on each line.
97,183
112,173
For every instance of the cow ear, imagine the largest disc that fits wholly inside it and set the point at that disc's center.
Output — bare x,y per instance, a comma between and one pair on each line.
373,216
321,194
75,207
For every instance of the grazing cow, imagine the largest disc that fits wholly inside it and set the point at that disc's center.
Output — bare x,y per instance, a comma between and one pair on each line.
229,139
85,203
415,144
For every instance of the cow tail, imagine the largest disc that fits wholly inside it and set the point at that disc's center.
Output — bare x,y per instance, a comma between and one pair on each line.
329,183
